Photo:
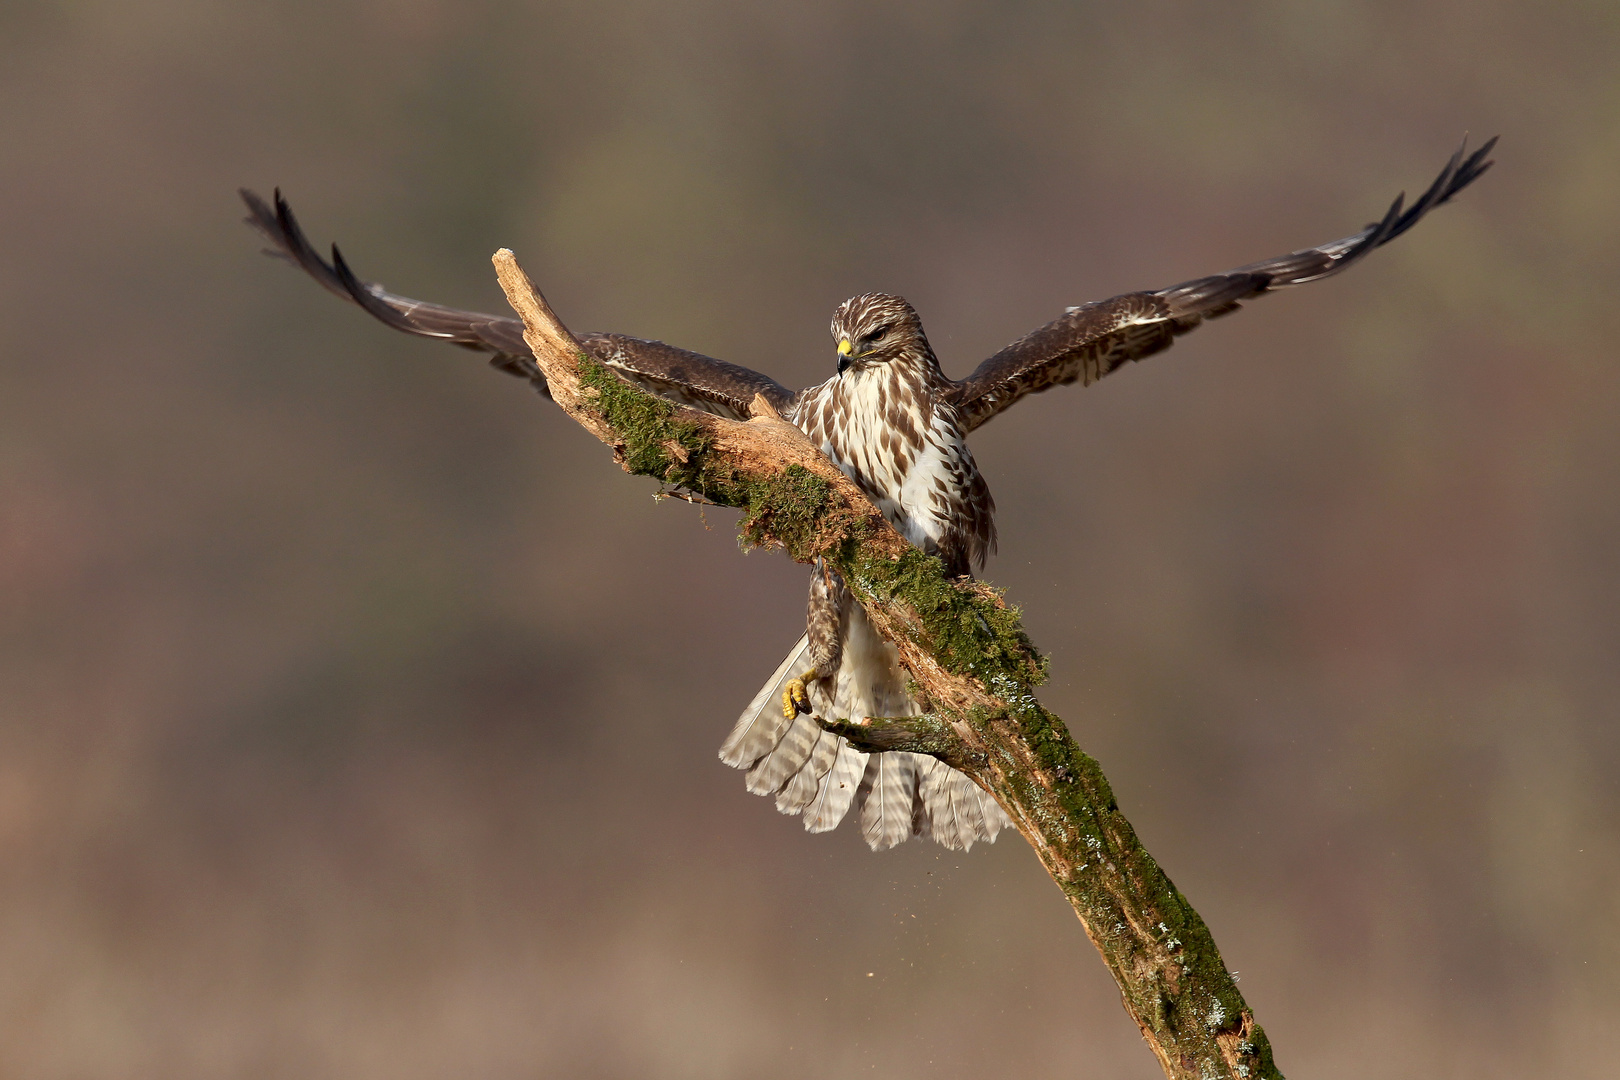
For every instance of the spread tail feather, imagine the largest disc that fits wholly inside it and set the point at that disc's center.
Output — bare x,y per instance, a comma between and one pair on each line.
837,789
959,812
761,725
786,758
887,793
798,792
813,772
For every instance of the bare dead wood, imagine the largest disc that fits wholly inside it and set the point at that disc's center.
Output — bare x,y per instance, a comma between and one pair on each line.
974,670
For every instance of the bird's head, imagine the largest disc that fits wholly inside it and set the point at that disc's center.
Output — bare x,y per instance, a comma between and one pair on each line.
876,328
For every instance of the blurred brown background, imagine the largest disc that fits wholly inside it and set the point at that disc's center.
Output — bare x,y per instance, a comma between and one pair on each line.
358,718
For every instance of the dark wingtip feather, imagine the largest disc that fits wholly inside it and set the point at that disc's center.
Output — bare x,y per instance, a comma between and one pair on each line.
258,213
361,294
1459,172
262,220
1391,217
276,223
351,284
1474,167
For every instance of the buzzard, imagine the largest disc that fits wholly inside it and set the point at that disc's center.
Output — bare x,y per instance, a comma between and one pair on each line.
898,427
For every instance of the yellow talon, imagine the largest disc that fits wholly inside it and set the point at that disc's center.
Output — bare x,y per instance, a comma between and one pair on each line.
794,699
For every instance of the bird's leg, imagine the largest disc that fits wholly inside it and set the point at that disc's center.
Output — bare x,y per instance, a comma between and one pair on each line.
824,621
796,696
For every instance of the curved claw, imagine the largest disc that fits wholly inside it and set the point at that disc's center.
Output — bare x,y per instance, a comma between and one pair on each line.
795,699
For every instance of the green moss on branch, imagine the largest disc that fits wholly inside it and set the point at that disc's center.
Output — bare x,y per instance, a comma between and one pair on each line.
966,625
791,509
925,734
653,440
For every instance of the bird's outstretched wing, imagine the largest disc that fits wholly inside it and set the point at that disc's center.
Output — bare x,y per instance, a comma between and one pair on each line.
686,377
1090,341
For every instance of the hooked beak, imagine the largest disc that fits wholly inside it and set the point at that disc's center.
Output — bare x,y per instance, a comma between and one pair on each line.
845,351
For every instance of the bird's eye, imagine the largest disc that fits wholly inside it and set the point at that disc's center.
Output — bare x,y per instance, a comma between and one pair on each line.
880,331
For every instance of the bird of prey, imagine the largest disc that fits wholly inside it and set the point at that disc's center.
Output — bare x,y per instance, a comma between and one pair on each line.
898,427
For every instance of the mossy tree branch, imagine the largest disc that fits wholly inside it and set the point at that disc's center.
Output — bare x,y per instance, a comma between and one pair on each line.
973,668
926,734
